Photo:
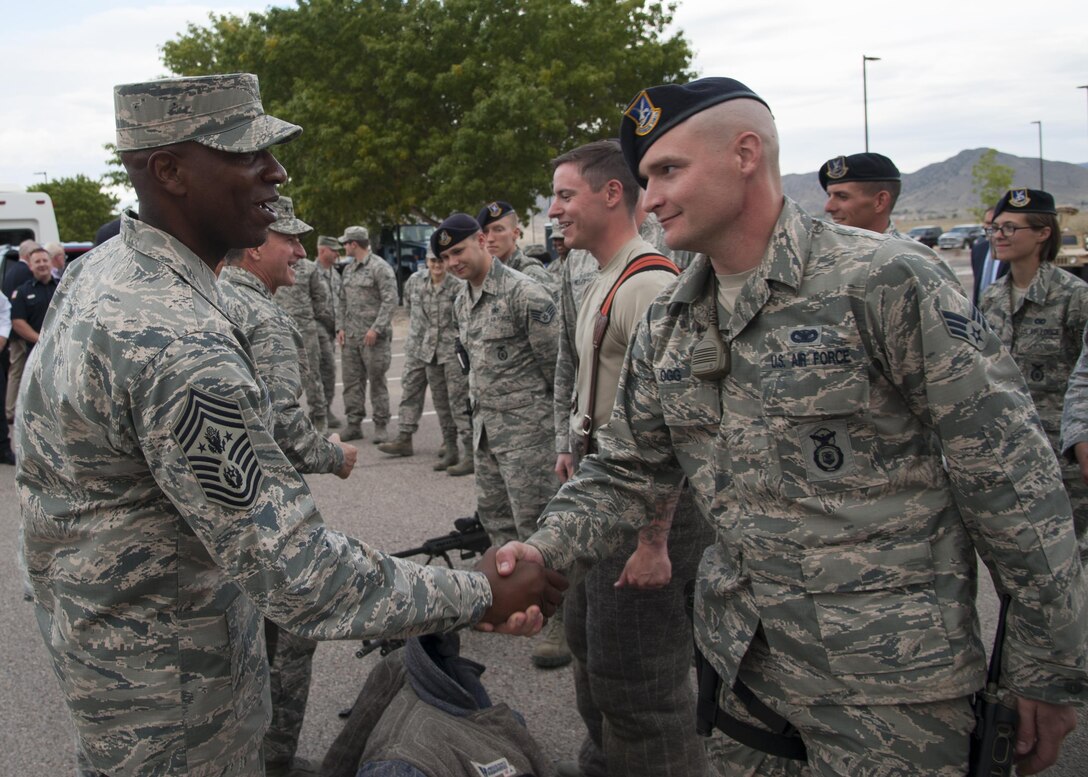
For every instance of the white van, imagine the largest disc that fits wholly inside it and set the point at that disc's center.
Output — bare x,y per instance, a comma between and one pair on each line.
27,215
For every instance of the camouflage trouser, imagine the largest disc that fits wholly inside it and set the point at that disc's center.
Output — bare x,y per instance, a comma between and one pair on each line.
512,488
1078,498
632,661
290,663
16,361
413,390
310,370
449,393
931,739
361,364
327,342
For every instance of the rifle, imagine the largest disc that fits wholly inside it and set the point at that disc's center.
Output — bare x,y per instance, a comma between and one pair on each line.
993,742
468,536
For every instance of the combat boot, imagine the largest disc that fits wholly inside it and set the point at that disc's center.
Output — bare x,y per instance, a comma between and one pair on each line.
465,466
380,434
352,432
551,651
441,452
449,455
402,446
333,421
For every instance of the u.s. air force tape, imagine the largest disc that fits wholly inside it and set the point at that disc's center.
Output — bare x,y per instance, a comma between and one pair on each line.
215,442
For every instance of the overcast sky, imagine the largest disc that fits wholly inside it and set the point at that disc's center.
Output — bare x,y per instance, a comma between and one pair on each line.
952,75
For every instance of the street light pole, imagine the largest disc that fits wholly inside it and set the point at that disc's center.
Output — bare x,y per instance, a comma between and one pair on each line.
865,94
1042,184
44,176
1085,88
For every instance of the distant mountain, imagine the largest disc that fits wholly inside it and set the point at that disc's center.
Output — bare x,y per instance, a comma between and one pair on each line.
943,190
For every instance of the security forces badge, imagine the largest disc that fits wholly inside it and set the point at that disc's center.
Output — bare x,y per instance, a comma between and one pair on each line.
495,210
836,168
643,113
216,445
825,446
444,238
1018,198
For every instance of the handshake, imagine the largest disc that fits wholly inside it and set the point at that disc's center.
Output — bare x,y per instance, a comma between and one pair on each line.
523,594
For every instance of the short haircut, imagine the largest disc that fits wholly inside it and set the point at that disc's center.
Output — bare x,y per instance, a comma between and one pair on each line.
1049,250
600,162
234,256
39,250
872,188
363,242
53,248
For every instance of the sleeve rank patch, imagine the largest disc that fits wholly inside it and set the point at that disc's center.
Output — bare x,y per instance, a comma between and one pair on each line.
971,330
543,317
216,445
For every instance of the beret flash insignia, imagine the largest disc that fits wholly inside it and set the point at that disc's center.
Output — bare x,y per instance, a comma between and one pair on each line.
1018,198
643,113
494,209
836,168
444,238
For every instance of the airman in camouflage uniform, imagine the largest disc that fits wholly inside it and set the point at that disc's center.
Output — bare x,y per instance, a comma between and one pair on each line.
509,328
1039,312
308,303
247,286
368,295
430,359
160,516
328,251
856,433
499,221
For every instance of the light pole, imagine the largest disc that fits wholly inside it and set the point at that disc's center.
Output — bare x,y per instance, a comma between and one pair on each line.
1085,88
44,175
1042,184
865,94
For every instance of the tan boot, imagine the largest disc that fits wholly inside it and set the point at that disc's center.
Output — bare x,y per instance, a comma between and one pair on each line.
551,649
464,467
352,432
402,446
449,455
380,434
333,421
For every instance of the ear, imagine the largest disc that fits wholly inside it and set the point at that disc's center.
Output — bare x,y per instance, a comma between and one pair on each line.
613,193
166,169
882,201
748,147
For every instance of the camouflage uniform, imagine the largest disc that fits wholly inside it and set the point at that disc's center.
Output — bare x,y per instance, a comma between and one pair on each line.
1044,335
430,359
368,294
870,436
535,269
638,717
309,305
326,336
509,328
162,519
277,348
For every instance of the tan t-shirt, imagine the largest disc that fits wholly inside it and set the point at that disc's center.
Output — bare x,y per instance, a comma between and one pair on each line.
629,305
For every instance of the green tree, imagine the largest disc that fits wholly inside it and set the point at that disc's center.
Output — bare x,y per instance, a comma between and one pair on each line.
115,174
80,204
416,108
989,181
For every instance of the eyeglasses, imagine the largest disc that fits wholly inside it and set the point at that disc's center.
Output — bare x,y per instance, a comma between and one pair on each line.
1007,230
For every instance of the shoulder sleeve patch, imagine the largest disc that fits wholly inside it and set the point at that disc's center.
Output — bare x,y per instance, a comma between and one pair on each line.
543,316
971,330
216,444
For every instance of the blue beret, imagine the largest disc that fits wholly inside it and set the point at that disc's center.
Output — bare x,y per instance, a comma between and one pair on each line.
1025,201
657,110
493,211
452,231
858,167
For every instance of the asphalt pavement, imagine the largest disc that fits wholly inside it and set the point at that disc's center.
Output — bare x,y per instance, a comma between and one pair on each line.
391,503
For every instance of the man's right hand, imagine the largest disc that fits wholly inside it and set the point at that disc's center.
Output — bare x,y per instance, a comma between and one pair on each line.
351,455
564,467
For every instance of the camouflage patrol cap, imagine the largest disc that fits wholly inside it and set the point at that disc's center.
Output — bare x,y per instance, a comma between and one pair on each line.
287,223
1026,201
493,211
452,231
329,242
220,111
358,234
658,109
858,167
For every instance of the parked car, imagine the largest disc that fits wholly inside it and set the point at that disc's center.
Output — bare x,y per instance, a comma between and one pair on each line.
961,236
404,246
926,235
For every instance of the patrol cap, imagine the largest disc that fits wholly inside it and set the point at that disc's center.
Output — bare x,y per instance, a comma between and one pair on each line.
328,242
358,234
657,110
287,223
452,231
493,211
858,167
220,111
1026,201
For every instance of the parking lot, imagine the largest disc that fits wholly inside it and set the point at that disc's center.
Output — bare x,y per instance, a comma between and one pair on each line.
390,503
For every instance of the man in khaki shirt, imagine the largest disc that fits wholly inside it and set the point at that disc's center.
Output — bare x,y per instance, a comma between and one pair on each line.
649,705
